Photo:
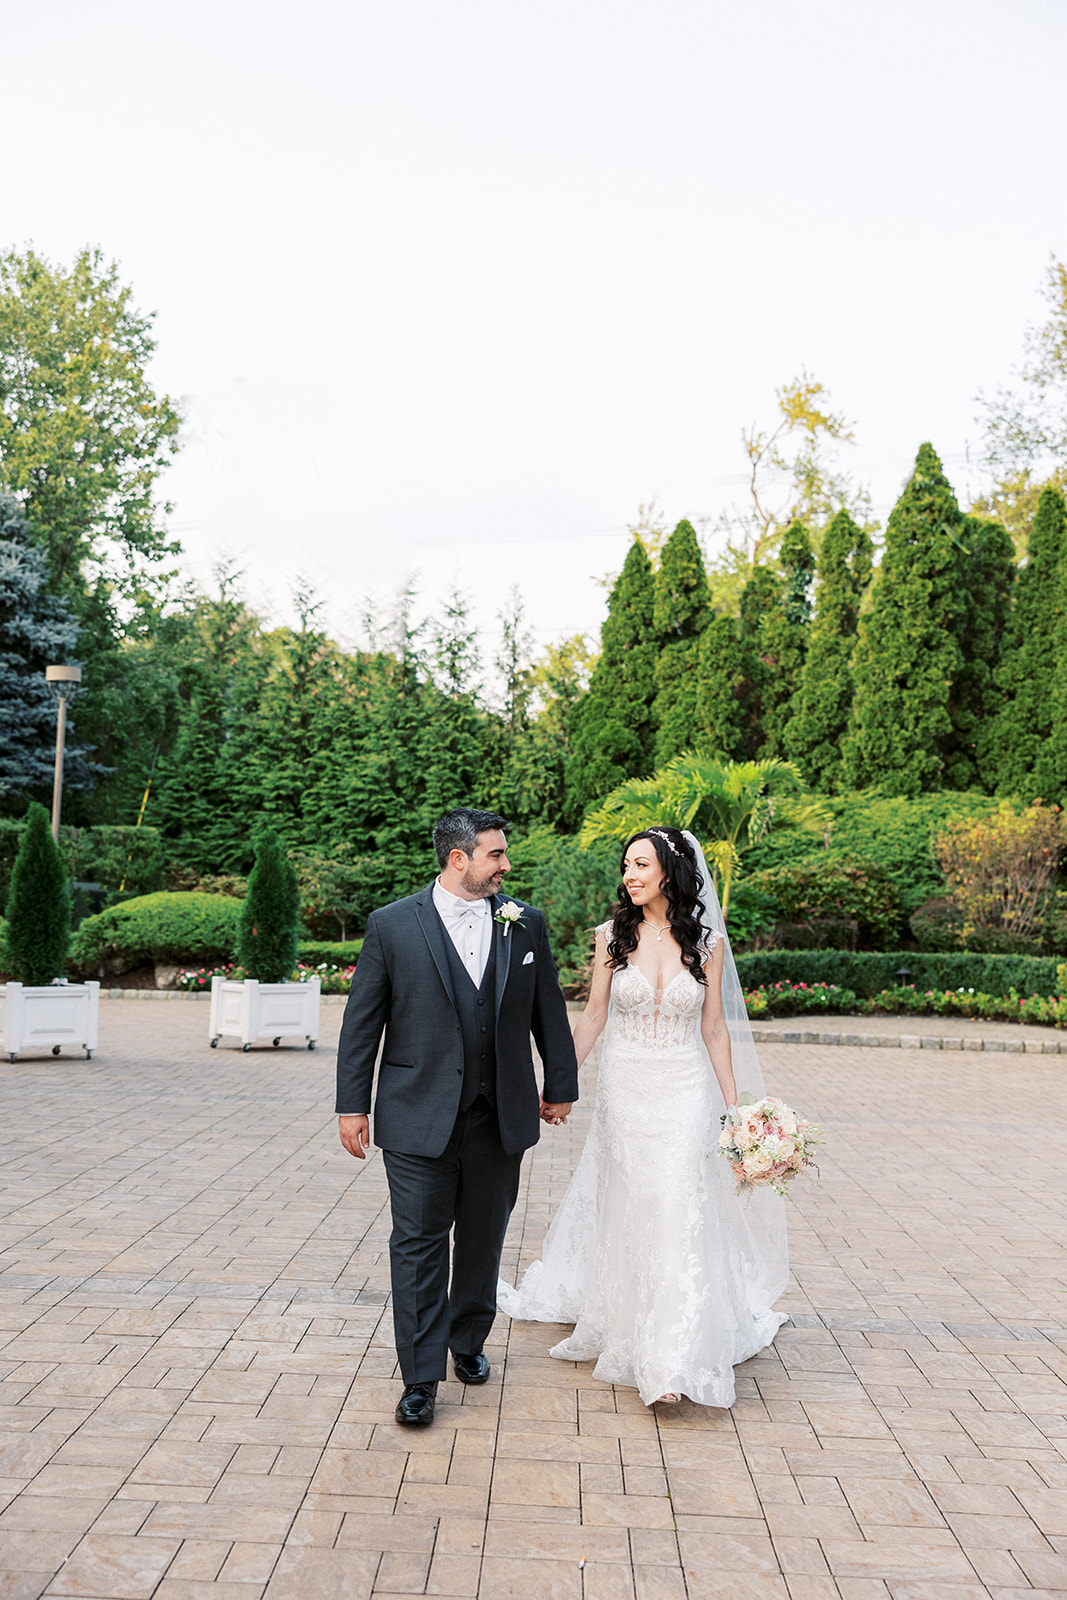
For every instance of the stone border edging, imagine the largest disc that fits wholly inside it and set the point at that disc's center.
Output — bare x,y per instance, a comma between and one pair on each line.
914,1041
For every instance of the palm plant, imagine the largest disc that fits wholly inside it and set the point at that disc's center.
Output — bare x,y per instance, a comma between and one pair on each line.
729,805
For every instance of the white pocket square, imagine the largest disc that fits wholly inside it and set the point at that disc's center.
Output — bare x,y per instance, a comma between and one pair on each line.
527,958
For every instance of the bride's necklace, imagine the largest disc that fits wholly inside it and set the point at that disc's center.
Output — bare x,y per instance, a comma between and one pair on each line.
659,931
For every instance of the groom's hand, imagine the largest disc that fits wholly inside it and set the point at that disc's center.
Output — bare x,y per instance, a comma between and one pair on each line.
355,1135
555,1114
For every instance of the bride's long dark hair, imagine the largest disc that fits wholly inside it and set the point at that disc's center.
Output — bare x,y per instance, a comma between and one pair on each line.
680,886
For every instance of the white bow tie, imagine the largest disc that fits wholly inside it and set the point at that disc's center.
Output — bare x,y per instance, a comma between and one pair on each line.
461,909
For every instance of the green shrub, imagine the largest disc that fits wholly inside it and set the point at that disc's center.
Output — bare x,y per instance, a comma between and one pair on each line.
752,911
575,889
105,855
838,888
312,952
37,936
266,929
179,879
188,928
869,972
893,833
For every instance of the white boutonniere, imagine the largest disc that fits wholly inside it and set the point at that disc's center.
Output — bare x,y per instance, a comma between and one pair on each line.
509,916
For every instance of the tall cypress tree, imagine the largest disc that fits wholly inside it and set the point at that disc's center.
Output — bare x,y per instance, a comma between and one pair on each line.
761,599
908,656
612,730
1051,769
680,615
1029,671
784,640
815,734
985,560
720,677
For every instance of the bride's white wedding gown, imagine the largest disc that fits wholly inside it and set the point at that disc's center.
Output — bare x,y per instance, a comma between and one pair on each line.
651,1254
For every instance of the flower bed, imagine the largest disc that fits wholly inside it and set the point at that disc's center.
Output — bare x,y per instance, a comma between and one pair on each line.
794,999
334,978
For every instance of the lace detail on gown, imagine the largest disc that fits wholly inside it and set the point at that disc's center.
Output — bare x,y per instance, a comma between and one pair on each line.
644,1254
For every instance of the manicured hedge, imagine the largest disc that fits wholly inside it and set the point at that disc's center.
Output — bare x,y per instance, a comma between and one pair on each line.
104,854
312,952
869,972
190,928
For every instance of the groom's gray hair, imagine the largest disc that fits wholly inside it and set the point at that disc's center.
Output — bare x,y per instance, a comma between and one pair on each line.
459,830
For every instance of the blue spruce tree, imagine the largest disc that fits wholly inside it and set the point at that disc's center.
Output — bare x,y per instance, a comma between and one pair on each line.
36,630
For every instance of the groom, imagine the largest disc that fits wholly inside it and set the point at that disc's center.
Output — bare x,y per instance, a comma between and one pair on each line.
458,988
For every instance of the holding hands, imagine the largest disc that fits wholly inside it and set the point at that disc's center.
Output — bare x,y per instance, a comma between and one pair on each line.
554,1115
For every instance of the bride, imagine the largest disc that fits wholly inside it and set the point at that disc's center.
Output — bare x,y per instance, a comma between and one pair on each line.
668,1277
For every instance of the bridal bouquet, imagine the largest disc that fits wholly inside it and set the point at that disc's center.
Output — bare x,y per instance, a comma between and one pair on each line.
766,1143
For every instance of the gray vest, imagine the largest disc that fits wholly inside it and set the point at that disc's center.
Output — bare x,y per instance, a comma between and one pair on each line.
477,1020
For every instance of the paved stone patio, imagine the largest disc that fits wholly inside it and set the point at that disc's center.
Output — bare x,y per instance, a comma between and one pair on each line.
197,1379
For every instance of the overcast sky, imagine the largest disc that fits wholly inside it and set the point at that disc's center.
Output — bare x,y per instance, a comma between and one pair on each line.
452,288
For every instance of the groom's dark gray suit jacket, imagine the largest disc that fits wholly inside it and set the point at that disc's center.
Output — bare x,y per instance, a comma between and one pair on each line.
403,983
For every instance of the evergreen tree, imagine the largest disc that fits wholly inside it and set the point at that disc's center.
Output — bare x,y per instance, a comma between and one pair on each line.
202,798
38,907
679,616
36,630
985,559
720,678
1051,768
267,927
761,599
816,732
1030,668
784,638
611,727
908,655
533,791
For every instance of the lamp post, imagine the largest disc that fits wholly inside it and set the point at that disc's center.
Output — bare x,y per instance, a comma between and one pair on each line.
63,685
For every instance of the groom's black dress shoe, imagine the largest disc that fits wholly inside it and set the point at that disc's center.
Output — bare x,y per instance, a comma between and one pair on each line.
416,1404
471,1369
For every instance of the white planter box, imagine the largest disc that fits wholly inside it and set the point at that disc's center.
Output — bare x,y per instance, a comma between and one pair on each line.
252,1010
48,1017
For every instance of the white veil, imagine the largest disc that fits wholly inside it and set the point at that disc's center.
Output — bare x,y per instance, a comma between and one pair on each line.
758,1220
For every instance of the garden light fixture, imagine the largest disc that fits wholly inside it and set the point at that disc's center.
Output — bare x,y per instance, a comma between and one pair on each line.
63,684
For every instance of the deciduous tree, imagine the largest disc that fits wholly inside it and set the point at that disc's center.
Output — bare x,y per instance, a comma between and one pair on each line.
83,434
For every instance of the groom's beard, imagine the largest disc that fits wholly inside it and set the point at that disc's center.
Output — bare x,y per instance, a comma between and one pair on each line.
480,888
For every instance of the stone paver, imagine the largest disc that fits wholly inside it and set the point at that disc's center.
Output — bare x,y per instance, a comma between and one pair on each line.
197,1377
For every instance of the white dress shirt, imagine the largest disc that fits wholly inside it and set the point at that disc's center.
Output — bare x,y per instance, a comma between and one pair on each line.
469,924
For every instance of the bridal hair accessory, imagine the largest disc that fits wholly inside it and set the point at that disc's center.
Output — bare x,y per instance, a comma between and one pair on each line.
510,915
766,1143
658,833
